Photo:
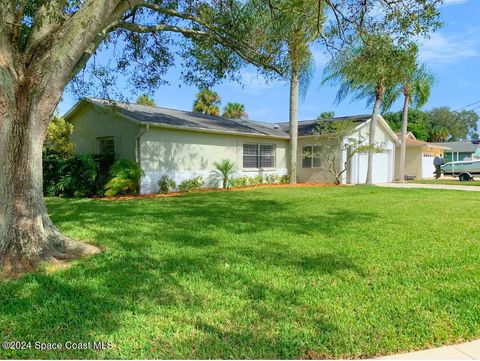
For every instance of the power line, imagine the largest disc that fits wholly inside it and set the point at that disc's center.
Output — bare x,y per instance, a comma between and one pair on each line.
467,106
478,106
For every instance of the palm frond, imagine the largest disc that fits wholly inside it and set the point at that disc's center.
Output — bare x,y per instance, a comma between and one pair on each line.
306,75
423,81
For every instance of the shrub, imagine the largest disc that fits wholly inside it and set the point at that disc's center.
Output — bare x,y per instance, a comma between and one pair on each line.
77,176
246,181
240,181
226,170
166,184
73,177
125,178
189,185
257,180
284,179
271,179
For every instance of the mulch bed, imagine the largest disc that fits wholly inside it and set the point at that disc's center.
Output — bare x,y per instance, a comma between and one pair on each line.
176,194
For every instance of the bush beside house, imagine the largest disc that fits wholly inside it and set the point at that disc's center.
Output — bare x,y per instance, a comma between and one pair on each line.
76,176
125,178
95,175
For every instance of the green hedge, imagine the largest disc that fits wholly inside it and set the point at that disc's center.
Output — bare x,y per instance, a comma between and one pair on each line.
78,176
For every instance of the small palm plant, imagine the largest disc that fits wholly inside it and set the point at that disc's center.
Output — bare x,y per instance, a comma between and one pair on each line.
125,178
226,170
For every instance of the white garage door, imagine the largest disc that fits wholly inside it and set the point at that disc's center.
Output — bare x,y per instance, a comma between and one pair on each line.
427,166
381,168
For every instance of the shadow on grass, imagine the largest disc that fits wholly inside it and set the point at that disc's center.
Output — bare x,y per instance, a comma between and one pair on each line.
155,248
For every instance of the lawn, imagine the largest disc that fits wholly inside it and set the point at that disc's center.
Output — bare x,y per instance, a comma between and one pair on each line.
268,273
447,181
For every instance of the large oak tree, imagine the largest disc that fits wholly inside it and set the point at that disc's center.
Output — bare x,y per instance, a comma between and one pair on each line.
44,44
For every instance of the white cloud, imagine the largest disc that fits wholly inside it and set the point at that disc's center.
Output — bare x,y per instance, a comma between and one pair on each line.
442,49
453,2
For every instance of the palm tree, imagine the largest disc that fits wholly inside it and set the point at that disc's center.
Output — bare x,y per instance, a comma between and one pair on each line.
368,70
145,99
235,111
301,65
326,115
226,169
415,88
207,102
298,25
287,29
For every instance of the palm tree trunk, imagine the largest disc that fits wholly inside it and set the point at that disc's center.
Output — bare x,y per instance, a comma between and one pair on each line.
371,135
293,125
403,138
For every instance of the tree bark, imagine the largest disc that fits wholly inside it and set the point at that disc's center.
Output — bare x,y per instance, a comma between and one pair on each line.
293,125
403,138
32,79
371,135
27,235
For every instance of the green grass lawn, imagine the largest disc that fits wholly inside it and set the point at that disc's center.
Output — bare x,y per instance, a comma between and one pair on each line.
447,181
268,273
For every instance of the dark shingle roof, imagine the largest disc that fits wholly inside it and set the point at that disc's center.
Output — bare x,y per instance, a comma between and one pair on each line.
308,127
465,146
172,117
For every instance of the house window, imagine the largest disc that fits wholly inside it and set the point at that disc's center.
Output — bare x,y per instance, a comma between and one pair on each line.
106,145
311,156
258,156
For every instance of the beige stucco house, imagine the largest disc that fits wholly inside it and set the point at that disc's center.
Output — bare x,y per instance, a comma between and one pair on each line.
419,157
183,144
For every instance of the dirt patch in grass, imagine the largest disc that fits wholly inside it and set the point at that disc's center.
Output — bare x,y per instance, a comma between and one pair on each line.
176,194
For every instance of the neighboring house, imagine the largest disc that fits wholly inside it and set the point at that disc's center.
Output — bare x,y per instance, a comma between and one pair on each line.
184,144
418,157
457,151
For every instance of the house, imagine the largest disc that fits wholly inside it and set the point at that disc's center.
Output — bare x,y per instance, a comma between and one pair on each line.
183,144
418,157
461,150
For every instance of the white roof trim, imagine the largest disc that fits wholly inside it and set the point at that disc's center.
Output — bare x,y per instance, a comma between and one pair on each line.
385,127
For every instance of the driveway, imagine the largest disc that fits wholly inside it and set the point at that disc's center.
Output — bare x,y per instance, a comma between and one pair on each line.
464,351
430,186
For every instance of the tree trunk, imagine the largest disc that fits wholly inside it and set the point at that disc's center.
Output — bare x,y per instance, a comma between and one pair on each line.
403,138
293,126
371,135
27,235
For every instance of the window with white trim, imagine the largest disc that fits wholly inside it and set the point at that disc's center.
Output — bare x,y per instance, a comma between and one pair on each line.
106,145
311,156
259,156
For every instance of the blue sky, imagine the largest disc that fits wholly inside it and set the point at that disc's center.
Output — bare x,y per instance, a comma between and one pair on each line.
452,53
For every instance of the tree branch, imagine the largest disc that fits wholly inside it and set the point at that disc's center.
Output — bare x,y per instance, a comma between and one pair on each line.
241,48
172,12
138,28
7,51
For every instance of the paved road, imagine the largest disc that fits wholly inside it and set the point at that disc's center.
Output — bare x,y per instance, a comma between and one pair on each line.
464,351
431,186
